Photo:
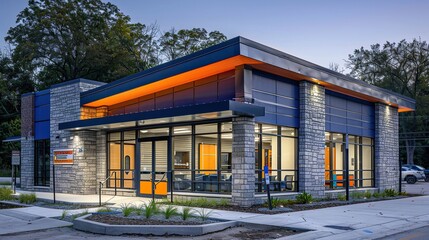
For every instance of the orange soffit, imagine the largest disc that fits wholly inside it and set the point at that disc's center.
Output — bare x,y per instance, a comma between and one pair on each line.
176,80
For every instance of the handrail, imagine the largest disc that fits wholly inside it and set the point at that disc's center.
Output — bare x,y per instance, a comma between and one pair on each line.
155,183
101,186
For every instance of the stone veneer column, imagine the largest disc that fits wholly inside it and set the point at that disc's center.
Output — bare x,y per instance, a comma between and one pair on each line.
101,156
311,154
27,142
81,177
386,145
243,161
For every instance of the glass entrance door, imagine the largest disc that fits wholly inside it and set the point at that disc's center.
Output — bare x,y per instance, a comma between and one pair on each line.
154,166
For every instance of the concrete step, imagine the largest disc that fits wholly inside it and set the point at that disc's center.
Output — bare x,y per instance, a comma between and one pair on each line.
119,192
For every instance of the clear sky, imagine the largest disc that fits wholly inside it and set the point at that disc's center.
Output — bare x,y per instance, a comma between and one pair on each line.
320,31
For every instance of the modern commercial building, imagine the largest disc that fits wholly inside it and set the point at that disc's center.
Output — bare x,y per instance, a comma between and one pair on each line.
206,125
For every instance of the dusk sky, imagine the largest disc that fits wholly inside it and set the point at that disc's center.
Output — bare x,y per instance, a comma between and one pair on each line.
318,31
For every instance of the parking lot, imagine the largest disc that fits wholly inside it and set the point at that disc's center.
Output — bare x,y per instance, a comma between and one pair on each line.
420,187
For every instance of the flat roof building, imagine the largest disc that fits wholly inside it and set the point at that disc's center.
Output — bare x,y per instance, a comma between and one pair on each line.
208,123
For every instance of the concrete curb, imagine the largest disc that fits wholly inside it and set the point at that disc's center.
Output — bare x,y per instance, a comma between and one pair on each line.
184,230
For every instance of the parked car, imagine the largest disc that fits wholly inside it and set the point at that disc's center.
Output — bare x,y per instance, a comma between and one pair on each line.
418,168
412,176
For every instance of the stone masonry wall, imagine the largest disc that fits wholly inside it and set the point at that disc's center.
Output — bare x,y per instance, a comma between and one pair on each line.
386,147
27,142
311,154
243,161
101,156
81,177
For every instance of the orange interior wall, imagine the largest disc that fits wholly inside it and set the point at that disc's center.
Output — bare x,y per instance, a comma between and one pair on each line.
208,157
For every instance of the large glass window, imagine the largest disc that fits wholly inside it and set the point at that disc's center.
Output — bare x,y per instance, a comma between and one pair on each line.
360,161
276,148
202,156
42,163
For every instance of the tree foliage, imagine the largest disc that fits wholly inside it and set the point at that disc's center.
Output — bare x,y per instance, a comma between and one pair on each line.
403,68
59,40
175,44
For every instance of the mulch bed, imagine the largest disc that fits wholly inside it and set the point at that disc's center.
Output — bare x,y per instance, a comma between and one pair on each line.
119,220
8,206
301,207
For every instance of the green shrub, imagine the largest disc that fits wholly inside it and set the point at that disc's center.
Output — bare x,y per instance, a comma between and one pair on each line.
342,197
187,212
368,194
198,202
403,193
389,193
64,214
170,211
376,195
357,195
139,209
104,210
304,198
6,193
204,214
275,202
27,198
223,202
150,209
127,209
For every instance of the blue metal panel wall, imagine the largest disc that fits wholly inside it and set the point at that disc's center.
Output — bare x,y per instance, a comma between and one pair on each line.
345,114
279,96
41,115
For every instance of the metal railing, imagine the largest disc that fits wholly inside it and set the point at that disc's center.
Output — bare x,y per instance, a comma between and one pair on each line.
101,186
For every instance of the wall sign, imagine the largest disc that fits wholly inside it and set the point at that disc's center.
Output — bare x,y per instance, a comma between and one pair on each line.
16,156
63,156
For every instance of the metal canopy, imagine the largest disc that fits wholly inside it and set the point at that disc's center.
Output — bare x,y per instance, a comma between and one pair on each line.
199,112
12,139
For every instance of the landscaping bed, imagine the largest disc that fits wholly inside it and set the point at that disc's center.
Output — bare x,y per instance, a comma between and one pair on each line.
303,201
117,219
4,205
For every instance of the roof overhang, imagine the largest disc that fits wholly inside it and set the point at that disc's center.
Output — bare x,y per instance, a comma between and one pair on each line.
12,139
209,111
228,55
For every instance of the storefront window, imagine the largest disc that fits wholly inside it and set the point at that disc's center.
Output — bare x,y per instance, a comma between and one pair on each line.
275,147
360,161
42,163
203,160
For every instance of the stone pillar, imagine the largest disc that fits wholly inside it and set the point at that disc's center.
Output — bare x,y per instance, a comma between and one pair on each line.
81,177
311,154
386,145
101,156
243,161
27,141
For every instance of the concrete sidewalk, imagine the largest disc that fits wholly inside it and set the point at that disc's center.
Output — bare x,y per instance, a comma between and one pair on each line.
358,221
13,221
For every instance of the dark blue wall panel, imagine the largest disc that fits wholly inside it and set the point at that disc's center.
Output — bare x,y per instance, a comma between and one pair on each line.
345,114
41,130
42,115
279,96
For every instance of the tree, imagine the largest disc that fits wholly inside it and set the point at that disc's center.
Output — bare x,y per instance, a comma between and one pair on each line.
60,40
403,68
63,40
12,85
175,44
